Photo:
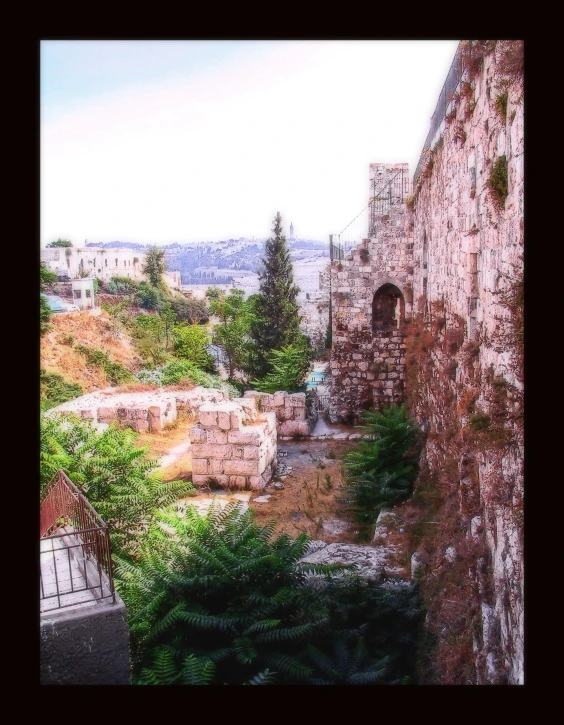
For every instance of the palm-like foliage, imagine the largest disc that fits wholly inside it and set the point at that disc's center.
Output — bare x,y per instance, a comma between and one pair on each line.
381,471
214,599
115,475
217,589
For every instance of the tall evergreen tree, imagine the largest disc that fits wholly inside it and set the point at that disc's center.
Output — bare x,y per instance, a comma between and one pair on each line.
277,313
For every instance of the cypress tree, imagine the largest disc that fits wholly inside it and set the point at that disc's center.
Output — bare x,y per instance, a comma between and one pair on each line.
277,320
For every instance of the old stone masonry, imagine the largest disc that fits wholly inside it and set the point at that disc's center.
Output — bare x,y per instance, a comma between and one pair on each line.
428,309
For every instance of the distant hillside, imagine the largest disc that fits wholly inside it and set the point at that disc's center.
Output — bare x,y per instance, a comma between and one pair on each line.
217,262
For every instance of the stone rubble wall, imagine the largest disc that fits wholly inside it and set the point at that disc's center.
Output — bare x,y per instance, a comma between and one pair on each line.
144,412
293,414
234,445
369,367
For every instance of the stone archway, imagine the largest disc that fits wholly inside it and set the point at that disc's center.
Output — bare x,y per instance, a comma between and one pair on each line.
388,308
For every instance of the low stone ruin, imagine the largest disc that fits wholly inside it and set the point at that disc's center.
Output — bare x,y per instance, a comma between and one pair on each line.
148,411
233,445
296,413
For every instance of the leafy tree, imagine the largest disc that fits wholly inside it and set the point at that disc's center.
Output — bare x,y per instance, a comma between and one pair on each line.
288,369
189,310
60,243
147,297
381,471
233,333
44,315
277,312
46,277
192,345
118,479
155,266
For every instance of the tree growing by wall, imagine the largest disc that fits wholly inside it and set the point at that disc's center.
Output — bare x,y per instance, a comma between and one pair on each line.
155,266
277,312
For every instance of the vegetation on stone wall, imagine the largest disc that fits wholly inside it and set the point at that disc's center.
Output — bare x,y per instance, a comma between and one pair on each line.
498,183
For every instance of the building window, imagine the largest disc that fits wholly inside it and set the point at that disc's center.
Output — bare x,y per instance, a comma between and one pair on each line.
105,262
77,294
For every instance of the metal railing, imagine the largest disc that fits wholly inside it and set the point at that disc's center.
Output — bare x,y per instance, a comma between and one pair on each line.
73,539
336,251
395,191
323,402
445,97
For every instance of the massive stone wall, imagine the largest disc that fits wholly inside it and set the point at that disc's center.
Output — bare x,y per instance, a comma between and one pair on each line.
454,252
468,247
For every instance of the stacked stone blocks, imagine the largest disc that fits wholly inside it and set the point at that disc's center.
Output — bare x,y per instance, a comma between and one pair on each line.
291,410
233,445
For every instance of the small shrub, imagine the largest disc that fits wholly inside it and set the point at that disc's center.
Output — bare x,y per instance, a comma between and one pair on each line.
498,182
381,471
115,372
479,421
55,390
501,105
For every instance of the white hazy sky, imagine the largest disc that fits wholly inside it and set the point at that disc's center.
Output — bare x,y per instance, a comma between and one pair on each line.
176,141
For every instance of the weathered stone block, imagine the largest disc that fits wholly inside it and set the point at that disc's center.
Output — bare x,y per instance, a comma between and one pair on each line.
250,453
106,414
279,398
211,450
295,400
247,435
199,465
198,434
224,419
238,482
215,436
215,465
241,468
208,415
199,479
299,414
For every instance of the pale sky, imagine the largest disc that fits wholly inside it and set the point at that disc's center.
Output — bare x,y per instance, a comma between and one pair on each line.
180,141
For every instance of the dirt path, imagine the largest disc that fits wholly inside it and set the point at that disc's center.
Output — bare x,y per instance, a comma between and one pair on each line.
302,497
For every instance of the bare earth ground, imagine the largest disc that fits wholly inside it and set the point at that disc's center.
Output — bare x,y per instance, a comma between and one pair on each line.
311,473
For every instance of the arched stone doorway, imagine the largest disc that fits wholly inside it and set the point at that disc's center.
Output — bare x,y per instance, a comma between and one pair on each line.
388,308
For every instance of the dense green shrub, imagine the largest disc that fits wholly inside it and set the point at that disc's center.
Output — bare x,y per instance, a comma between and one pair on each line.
46,277
118,479
121,286
215,599
147,297
55,390
191,344
189,310
382,469
177,370
288,368
116,373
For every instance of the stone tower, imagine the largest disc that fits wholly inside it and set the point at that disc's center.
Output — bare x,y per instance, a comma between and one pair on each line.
291,232
371,299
